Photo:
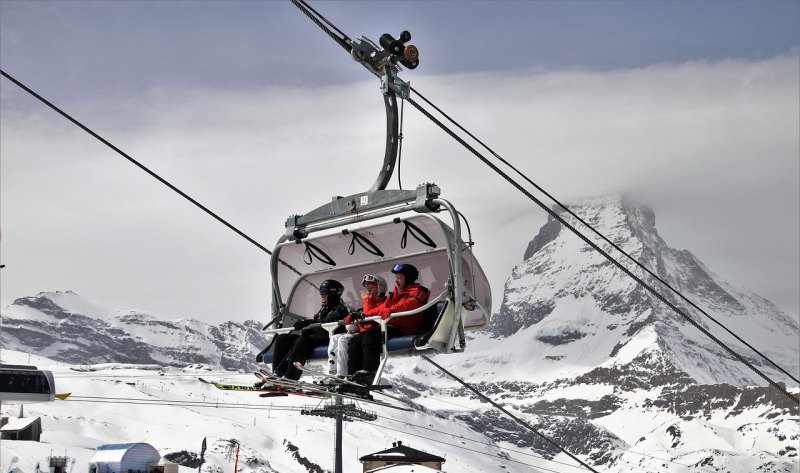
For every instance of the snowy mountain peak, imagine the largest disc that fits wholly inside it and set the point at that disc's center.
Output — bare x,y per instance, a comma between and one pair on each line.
564,292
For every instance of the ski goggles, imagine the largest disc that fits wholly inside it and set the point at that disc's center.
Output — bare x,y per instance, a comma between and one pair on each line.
370,278
401,268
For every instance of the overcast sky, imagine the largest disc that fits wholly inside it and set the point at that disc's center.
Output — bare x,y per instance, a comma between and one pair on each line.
688,107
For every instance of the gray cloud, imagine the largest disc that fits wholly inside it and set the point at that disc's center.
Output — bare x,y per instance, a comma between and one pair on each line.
711,146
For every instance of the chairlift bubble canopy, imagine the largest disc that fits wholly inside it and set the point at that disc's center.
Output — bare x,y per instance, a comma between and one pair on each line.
369,233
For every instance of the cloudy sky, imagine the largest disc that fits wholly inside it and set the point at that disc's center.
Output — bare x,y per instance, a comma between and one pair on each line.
688,107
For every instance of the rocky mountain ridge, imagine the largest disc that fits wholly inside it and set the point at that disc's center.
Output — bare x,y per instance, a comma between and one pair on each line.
65,327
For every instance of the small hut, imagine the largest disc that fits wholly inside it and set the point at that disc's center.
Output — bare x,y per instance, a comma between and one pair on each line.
400,454
22,428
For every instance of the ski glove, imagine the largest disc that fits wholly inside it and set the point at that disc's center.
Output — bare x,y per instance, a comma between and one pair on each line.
357,315
301,324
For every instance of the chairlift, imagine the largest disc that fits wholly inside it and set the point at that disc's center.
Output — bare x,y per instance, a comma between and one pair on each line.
26,384
370,232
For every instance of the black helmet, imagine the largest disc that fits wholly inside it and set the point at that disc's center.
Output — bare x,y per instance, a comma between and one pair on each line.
331,287
409,271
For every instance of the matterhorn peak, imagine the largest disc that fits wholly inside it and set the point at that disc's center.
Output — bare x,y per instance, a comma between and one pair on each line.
564,294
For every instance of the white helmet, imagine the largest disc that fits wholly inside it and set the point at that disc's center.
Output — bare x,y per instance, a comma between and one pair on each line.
373,278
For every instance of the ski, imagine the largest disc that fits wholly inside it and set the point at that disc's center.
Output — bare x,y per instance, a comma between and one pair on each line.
329,390
263,391
379,388
230,387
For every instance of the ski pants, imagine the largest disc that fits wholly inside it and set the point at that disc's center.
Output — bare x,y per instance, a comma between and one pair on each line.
291,347
365,349
338,353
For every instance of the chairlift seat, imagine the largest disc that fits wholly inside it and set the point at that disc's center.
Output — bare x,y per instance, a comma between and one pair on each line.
396,345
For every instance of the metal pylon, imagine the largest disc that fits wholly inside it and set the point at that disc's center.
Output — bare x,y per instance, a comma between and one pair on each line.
341,412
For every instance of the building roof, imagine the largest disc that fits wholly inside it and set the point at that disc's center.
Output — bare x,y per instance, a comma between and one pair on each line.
404,469
18,423
400,452
116,446
115,452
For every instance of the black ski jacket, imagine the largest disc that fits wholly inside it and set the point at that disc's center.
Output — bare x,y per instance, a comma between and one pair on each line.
325,315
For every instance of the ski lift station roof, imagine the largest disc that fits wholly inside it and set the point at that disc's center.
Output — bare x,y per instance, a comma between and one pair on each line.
405,469
124,456
402,453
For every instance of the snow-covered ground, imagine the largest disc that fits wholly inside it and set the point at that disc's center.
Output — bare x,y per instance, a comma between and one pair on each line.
173,411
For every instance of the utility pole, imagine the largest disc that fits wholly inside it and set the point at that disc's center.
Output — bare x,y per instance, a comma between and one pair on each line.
337,436
233,442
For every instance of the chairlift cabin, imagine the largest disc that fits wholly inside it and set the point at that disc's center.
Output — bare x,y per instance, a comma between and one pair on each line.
370,232
26,384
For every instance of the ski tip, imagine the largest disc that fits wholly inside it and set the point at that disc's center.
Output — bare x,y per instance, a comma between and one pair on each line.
299,365
62,396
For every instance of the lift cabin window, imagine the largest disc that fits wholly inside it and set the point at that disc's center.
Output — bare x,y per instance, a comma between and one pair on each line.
28,382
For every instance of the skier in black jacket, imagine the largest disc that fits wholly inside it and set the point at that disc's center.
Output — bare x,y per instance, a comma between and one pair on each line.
293,346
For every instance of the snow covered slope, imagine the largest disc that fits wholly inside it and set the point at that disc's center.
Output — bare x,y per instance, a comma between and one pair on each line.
171,410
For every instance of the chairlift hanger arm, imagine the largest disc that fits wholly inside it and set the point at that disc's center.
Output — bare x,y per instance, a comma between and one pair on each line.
380,63
383,60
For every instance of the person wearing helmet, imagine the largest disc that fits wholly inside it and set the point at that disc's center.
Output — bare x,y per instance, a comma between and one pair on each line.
373,294
365,347
295,346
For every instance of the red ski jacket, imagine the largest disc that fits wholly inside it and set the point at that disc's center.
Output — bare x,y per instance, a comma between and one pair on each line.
368,304
411,297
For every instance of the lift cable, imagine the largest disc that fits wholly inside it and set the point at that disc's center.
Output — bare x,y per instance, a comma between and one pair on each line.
506,412
174,403
142,166
606,239
343,41
597,248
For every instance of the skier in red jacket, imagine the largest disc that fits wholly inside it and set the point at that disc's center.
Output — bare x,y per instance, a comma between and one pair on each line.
365,347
